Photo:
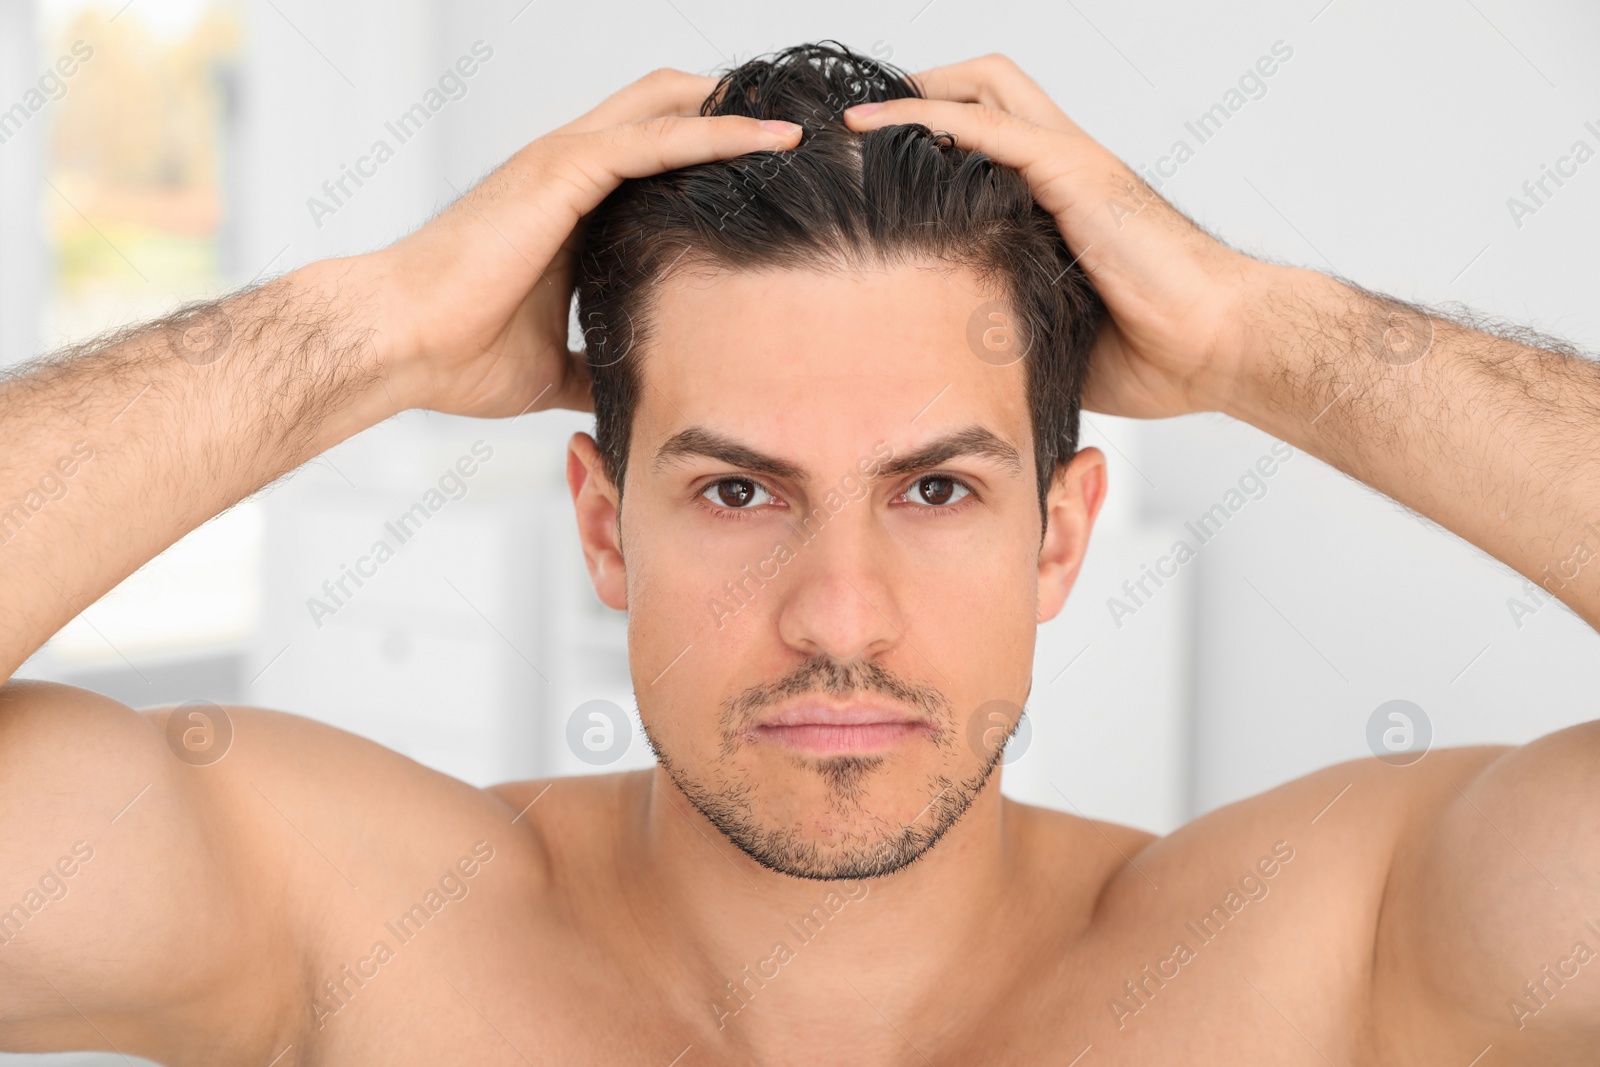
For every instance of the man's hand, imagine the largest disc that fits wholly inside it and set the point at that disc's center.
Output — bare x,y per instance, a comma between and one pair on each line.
1174,340
476,302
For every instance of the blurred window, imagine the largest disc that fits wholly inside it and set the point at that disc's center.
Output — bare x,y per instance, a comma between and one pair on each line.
136,220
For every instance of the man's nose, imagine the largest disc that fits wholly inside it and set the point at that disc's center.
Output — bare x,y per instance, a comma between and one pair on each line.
840,600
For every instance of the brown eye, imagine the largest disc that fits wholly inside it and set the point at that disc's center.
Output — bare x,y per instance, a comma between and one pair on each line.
734,493
936,490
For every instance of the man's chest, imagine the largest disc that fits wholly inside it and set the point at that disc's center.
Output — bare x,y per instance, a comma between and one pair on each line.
1207,991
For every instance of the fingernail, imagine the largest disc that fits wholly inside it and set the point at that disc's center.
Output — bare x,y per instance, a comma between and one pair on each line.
863,109
779,126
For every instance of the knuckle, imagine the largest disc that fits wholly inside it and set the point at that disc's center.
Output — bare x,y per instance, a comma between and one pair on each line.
663,76
995,68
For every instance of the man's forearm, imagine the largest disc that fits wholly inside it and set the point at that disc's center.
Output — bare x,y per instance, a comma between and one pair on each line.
110,453
1495,440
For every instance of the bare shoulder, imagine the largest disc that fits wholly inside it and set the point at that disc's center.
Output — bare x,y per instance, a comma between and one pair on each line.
351,826
356,828
1348,819
333,780
206,862
1485,912
1283,896
1337,829
363,862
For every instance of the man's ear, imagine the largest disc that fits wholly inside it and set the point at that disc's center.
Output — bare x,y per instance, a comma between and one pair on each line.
597,503
1075,496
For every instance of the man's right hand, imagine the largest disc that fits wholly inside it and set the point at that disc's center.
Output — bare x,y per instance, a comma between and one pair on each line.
477,301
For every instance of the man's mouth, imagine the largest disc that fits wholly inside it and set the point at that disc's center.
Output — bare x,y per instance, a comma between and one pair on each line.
823,729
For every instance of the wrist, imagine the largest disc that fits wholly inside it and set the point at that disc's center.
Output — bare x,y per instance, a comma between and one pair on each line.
346,331
383,290
1294,333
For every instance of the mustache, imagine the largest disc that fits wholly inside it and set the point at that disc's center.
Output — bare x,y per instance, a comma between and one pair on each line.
823,674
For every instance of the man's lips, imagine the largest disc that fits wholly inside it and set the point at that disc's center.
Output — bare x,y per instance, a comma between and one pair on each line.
834,729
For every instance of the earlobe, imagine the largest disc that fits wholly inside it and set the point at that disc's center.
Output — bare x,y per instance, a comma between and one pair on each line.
595,501
1073,502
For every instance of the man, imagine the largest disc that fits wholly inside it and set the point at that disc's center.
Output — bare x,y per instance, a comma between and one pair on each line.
821,869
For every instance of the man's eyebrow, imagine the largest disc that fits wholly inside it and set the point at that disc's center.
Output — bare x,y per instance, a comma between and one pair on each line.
972,441
696,441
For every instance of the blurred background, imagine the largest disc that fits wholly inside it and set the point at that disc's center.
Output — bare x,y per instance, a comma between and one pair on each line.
199,145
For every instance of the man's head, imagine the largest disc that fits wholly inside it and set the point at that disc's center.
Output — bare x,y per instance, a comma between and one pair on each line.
838,389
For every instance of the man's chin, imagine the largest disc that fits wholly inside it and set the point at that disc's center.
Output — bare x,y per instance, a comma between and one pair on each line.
842,833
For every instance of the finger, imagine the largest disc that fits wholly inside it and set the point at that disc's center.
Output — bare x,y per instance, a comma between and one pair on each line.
654,145
998,82
1090,192
661,92
1039,152
534,201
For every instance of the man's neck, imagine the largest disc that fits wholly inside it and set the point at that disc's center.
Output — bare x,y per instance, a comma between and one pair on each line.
768,955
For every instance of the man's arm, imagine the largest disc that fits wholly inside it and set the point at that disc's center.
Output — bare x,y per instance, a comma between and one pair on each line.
1494,438
115,451
172,423
1490,925
110,453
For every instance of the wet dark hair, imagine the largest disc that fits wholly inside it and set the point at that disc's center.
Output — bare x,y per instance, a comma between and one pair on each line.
839,199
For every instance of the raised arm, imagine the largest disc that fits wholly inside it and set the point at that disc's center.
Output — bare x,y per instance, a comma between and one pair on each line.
115,450
111,452
1495,439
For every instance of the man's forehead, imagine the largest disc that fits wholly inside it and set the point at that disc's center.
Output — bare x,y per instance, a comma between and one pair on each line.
843,357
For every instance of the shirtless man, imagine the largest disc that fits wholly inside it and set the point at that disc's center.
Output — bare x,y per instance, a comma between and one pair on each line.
774,890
